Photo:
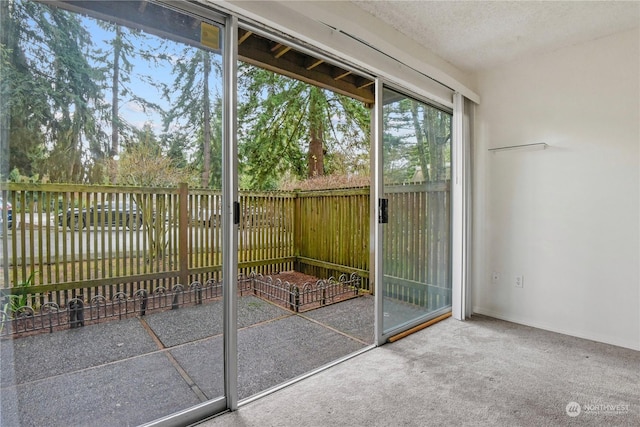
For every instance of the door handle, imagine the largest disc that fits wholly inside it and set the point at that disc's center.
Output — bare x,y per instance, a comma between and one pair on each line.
383,211
236,213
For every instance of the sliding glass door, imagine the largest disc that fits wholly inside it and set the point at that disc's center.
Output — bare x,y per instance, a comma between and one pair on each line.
128,306
119,241
416,234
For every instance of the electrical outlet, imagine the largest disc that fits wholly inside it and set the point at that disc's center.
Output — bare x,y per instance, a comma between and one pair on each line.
519,281
495,277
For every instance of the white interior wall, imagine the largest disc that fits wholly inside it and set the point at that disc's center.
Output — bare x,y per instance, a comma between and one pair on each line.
566,218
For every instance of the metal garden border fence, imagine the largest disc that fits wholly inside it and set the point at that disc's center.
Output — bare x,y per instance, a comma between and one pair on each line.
308,295
78,312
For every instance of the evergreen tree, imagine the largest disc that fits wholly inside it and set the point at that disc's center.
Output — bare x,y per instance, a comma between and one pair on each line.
433,140
59,52
191,97
417,142
117,60
24,91
288,126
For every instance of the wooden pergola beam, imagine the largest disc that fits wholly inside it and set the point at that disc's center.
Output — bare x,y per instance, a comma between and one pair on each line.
242,37
262,52
313,63
341,75
282,51
365,84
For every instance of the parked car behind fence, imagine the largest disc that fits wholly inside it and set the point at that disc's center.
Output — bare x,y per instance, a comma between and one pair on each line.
115,214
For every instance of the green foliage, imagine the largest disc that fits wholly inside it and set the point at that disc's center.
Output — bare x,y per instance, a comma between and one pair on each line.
21,111
51,88
417,142
18,299
77,92
116,63
54,84
193,111
144,164
16,176
64,79
175,143
278,119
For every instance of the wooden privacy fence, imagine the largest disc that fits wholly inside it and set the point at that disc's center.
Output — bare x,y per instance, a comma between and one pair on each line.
417,254
70,240
332,231
67,241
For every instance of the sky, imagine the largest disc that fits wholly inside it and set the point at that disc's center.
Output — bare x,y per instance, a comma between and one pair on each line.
160,71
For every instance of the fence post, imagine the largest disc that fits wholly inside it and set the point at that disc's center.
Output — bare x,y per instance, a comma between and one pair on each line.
294,298
297,228
76,313
144,298
183,230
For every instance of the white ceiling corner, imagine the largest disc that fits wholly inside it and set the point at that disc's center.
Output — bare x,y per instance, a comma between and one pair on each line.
479,35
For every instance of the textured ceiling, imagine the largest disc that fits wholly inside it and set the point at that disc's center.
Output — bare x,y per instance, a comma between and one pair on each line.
477,35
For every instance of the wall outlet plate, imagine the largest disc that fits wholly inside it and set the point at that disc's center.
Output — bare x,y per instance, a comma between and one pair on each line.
519,281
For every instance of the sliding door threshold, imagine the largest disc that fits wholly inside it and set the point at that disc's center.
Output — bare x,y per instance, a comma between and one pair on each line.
418,328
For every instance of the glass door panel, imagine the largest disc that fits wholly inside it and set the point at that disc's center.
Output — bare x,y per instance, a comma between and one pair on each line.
123,323
416,240
303,301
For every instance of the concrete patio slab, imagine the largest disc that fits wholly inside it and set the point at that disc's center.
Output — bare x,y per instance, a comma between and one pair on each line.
175,327
203,361
354,317
253,310
269,354
125,393
116,373
286,349
45,355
